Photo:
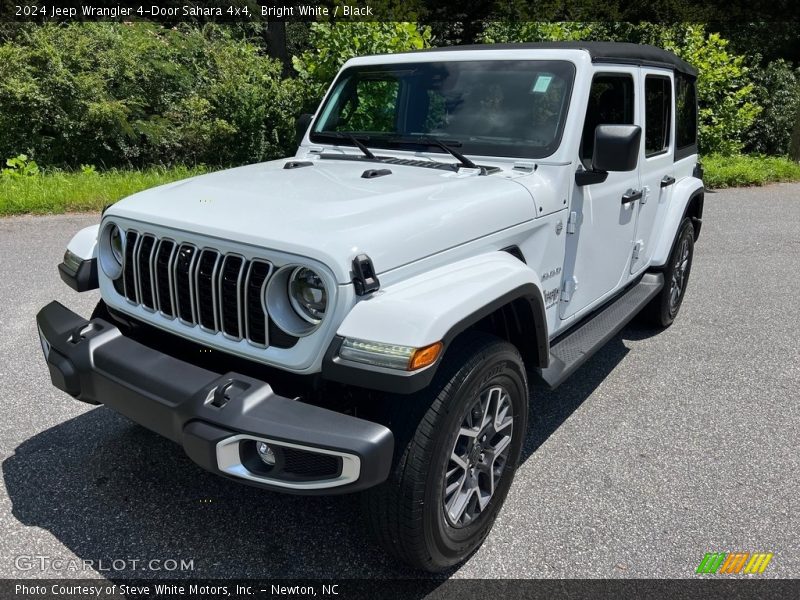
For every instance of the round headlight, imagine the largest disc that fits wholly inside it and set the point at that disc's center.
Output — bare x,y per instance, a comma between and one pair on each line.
307,294
111,251
115,239
296,299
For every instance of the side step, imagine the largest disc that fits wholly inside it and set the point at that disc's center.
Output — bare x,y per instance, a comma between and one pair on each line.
579,344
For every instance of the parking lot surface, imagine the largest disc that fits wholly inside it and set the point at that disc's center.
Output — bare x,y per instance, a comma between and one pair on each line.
663,447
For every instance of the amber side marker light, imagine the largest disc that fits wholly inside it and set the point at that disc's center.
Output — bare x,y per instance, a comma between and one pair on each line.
425,356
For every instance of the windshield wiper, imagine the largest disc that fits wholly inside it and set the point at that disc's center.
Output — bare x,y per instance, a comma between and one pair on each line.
342,135
432,141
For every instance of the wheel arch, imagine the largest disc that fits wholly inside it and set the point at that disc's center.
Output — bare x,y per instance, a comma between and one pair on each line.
517,317
687,201
495,293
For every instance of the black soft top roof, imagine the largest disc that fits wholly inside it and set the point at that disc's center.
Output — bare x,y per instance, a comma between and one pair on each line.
601,52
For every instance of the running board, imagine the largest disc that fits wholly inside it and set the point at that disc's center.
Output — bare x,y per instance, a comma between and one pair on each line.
578,345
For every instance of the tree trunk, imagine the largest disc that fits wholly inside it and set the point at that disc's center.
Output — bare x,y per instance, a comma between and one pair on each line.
275,37
794,144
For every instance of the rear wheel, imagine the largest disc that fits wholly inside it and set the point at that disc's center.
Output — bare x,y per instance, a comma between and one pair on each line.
456,463
663,309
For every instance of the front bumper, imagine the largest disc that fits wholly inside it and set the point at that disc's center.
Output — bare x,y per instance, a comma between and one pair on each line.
218,419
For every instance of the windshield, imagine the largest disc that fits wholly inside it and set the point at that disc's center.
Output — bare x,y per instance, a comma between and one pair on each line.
489,108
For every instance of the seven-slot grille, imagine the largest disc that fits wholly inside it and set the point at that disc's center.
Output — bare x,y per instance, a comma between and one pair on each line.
199,286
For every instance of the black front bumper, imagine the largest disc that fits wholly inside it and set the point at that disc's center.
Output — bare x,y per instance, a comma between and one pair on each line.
204,411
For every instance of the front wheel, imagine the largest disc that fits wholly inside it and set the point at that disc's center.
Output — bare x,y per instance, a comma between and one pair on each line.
457,462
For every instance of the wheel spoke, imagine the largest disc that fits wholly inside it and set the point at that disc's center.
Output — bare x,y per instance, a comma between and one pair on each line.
474,470
459,502
500,446
459,460
455,486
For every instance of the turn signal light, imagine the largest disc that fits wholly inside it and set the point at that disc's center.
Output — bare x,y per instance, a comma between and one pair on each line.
425,356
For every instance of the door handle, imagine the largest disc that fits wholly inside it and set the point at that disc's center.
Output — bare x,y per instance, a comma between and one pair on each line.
631,196
667,181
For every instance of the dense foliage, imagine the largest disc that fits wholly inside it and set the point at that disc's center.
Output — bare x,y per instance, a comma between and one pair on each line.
333,45
115,95
122,95
777,91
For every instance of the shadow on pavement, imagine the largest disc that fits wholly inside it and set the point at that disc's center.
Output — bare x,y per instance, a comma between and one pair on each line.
550,408
108,489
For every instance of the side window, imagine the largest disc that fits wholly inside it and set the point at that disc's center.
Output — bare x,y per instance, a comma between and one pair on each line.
685,114
371,105
611,102
657,113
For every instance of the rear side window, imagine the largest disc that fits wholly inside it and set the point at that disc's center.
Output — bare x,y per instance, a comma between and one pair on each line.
685,115
657,113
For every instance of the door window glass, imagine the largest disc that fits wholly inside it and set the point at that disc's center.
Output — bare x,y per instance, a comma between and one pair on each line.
611,102
657,114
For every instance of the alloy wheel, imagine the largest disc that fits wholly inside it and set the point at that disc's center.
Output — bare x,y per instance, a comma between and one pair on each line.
478,457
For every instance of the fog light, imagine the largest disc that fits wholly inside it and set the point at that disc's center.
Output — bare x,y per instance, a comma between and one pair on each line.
265,453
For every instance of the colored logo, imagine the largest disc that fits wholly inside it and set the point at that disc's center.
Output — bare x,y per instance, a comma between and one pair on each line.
733,563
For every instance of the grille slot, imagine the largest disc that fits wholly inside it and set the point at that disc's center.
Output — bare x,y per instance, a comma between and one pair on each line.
129,277
206,290
220,293
144,256
230,302
255,319
163,277
184,294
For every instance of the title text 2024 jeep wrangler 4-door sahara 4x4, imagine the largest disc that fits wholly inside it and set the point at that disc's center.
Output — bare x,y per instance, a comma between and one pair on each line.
364,316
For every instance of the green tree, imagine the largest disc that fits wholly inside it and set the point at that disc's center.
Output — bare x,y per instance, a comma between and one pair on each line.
115,94
777,91
335,43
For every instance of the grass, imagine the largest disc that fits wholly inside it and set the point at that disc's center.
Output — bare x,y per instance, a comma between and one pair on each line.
743,170
64,191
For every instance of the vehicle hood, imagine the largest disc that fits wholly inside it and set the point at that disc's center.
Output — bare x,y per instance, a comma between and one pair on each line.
330,213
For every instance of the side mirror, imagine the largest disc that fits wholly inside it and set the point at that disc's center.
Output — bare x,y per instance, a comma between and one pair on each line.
301,126
616,147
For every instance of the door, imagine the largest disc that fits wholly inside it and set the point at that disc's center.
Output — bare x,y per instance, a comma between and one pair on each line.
656,161
601,225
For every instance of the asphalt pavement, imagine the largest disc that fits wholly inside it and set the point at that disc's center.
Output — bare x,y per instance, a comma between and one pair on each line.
663,447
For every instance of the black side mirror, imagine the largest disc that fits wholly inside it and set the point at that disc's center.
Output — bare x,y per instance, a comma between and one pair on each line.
301,126
616,147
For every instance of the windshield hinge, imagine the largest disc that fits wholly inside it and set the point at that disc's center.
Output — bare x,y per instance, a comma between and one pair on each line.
573,219
364,278
637,248
645,194
569,288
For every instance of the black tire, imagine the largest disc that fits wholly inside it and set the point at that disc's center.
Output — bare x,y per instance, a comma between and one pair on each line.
407,513
663,309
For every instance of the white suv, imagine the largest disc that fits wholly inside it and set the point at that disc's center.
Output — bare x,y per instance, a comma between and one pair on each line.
364,316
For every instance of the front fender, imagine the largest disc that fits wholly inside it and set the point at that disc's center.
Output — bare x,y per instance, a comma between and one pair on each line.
84,243
79,269
437,306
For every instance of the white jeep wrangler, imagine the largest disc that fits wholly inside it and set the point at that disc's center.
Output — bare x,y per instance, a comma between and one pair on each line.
364,316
